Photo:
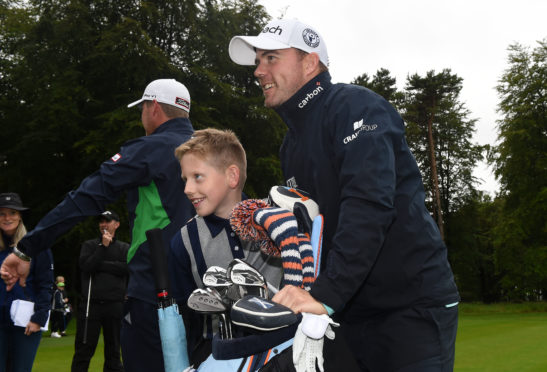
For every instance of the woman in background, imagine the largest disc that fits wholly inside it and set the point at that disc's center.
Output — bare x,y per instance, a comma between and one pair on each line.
18,345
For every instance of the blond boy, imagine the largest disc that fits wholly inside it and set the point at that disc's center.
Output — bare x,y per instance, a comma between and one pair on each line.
213,165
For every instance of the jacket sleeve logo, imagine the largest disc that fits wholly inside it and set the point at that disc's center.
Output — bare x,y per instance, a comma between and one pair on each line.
358,127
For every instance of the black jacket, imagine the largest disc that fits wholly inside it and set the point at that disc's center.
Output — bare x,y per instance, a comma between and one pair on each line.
382,250
107,267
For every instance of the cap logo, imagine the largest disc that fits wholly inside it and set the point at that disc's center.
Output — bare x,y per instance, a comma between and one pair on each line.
272,30
182,102
310,38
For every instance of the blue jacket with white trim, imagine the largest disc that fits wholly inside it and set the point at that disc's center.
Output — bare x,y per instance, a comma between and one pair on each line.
345,145
147,170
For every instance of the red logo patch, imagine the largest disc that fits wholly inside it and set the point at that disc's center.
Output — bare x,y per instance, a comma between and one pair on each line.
116,157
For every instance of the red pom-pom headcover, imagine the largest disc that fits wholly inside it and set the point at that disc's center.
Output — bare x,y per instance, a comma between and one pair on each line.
243,224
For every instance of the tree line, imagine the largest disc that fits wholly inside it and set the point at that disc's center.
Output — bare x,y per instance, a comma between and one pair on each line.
68,69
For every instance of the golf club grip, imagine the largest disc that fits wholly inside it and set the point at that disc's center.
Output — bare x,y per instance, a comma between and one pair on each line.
159,261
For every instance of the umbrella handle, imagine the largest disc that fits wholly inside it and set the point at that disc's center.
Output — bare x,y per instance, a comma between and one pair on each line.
158,259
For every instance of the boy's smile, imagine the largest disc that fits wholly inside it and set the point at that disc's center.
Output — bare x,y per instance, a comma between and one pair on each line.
206,186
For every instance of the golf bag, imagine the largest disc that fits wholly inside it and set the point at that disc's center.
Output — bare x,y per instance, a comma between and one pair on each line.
288,225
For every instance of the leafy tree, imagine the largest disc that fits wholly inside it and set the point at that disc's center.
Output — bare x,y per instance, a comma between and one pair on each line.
382,83
520,162
439,133
68,69
472,254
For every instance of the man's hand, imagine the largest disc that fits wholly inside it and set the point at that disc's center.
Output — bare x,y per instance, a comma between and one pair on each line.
13,269
31,328
298,300
106,238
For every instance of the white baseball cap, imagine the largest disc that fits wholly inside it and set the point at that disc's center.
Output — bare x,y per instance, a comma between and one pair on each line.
167,91
278,34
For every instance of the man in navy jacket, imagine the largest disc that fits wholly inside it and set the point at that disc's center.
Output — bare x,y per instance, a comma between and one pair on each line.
147,170
385,274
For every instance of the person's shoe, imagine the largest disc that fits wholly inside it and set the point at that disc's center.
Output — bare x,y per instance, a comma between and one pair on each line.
55,335
63,334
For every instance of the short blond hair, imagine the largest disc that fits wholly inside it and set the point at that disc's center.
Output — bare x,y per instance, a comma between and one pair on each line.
221,148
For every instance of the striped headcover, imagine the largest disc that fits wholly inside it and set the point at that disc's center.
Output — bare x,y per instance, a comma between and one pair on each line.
281,227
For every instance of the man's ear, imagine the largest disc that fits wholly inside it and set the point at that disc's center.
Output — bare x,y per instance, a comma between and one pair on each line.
156,108
311,63
232,174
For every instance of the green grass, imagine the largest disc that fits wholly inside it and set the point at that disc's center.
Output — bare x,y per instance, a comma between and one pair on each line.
498,337
55,354
502,337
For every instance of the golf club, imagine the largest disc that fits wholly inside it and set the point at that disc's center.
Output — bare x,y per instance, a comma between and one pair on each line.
209,301
244,274
215,277
87,310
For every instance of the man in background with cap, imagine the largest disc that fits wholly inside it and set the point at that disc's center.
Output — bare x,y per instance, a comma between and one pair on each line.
103,265
147,170
384,273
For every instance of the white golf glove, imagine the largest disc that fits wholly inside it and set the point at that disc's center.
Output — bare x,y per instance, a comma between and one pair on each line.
308,341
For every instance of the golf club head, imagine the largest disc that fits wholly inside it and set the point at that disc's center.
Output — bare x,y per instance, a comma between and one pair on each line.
206,301
244,274
215,277
230,266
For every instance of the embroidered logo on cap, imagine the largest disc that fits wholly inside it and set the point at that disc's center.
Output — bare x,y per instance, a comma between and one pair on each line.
182,102
116,157
310,38
273,30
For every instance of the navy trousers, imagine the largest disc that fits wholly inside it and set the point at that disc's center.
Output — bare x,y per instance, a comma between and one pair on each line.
140,337
17,351
409,340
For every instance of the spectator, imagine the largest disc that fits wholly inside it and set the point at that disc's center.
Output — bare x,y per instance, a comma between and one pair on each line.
68,307
58,310
103,262
18,344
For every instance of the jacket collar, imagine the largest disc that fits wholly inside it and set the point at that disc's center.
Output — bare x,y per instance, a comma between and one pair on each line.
174,124
304,100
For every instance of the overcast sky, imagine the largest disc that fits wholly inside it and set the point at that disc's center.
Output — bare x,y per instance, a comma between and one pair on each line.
468,36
